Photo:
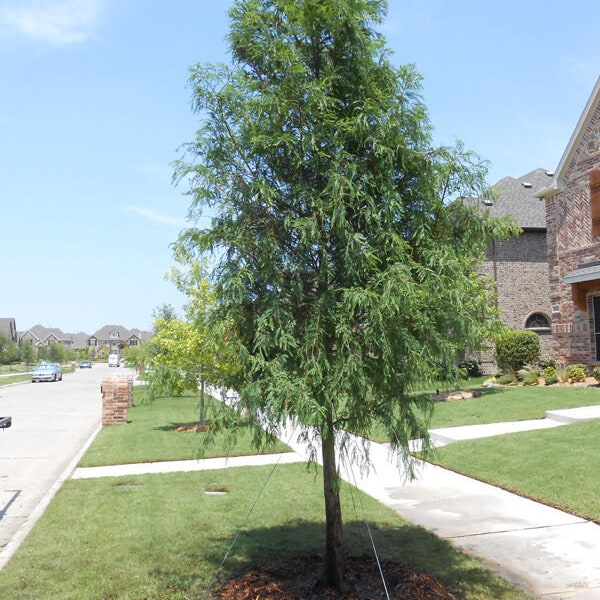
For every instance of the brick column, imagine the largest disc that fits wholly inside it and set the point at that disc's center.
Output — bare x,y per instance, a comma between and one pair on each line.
117,397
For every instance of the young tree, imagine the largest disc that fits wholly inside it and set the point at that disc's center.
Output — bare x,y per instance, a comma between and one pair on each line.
342,270
56,353
27,352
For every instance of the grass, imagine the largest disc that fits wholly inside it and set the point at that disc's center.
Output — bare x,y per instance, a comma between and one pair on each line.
497,405
512,404
559,466
161,536
8,379
149,434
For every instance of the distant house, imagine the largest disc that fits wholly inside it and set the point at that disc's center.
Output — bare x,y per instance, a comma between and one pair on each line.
573,231
112,336
116,337
519,265
41,336
9,327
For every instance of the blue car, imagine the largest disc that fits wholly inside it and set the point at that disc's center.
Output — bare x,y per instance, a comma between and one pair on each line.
47,372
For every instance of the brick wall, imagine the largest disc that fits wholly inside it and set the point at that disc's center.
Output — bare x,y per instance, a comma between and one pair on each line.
117,397
519,267
570,244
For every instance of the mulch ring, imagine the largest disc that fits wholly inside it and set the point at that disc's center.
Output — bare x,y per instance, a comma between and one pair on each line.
298,579
194,426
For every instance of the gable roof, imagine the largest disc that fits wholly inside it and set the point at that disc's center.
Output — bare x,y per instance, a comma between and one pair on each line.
41,333
515,197
576,138
104,332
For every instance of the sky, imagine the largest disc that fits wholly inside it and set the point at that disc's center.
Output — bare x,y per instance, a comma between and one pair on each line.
95,107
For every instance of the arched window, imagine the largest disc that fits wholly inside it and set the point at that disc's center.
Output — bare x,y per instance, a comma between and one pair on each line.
538,322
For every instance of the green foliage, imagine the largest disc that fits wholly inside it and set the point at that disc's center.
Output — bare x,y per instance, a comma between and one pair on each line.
576,373
56,353
344,274
546,361
596,373
580,366
515,349
507,378
529,375
472,367
28,353
550,375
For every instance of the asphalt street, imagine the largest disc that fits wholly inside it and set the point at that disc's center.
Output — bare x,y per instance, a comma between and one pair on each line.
51,424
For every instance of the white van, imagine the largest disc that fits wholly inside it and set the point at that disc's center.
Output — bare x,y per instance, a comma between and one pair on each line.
113,360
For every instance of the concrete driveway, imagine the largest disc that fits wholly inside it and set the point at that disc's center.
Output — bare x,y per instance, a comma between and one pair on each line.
52,424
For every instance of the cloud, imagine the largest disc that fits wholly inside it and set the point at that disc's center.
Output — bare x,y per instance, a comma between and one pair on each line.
57,22
158,217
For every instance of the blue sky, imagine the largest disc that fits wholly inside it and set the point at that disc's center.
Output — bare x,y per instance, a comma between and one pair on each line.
94,108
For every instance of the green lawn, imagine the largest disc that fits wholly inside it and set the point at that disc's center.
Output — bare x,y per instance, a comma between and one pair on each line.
161,536
150,434
7,379
559,466
512,404
497,405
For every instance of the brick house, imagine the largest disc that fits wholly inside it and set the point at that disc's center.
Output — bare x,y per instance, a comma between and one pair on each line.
519,265
8,326
116,337
41,336
573,233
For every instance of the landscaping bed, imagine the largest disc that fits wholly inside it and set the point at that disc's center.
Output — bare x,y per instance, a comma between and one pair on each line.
298,579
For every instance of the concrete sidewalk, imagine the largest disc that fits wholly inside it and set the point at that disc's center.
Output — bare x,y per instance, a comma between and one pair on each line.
549,553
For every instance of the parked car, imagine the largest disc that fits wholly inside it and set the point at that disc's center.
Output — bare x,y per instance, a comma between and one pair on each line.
85,364
47,372
114,360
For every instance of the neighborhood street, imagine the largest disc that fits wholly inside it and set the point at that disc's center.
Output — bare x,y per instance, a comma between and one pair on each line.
51,424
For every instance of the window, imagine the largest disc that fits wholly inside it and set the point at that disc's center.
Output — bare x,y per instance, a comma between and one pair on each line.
537,321
113,334
595,201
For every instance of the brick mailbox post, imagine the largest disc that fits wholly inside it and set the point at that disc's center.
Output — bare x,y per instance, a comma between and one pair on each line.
117,397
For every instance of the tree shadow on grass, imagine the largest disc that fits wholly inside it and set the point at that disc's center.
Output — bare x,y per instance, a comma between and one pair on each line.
409,544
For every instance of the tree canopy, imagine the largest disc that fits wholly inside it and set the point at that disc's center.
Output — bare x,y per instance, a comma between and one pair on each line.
344,267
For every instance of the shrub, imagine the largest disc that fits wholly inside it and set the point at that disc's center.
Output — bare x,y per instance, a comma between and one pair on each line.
506,378
529,375
576,373
580,366
515,349
596,373
546,361
472,366
550,375
561,371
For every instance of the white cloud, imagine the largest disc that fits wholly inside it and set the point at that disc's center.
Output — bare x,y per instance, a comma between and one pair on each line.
158,217
58,22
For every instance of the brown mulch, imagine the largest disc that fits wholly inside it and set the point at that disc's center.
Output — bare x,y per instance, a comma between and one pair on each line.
298,579
194,426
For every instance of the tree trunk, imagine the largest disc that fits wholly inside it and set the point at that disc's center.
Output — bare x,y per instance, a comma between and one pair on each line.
334,549
201,415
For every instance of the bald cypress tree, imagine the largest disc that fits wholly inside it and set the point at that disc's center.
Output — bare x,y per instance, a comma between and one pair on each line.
342,270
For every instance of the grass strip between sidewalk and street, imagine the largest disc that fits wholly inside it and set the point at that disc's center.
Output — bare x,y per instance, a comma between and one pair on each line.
163,536
150,434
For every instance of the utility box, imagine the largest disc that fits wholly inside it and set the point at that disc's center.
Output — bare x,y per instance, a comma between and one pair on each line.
117,397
